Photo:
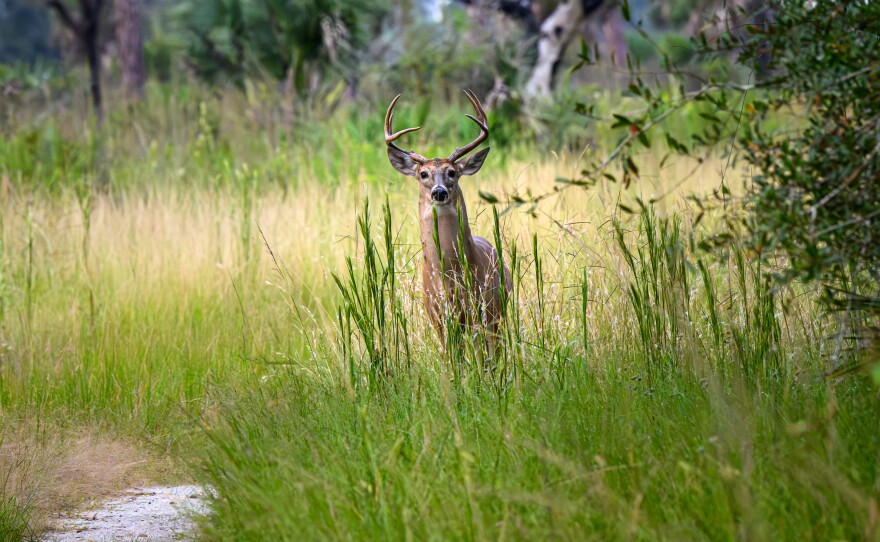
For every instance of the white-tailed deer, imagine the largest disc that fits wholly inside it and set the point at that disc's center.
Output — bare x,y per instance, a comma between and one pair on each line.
461,273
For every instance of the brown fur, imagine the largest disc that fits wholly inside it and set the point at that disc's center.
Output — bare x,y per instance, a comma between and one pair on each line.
446,260
444,280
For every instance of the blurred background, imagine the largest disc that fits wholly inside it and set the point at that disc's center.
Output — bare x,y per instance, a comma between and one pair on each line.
425,46
289,62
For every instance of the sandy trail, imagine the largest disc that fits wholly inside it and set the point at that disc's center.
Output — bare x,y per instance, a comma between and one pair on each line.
143,513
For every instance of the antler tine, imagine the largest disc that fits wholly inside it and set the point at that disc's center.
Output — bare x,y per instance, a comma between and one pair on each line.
477,105
480,121
391,137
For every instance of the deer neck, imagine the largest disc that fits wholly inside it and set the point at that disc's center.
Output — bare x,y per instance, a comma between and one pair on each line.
453,234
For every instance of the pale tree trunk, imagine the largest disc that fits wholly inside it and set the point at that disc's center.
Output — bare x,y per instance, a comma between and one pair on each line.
557,31
131,47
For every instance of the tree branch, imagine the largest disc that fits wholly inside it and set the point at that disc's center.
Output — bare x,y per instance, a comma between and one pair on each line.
211,49
66,18
846,182
591,175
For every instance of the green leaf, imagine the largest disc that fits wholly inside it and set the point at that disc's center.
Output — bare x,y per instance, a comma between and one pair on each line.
630,166
620,120
635,89
710,117
675,145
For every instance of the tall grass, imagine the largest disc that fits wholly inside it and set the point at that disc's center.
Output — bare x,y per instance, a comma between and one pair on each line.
659,424
225,304
371,306
15,513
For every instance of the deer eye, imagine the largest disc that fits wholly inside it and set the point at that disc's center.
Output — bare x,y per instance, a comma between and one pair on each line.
424,175
451,173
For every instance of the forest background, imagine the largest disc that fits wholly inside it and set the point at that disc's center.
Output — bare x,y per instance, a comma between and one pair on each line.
208,269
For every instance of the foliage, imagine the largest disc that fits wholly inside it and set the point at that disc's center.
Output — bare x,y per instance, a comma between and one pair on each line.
439,58
22,79
804,117
14,519
28,25
233,39
816,194
432,58
675,13
184,128
674,46
160,50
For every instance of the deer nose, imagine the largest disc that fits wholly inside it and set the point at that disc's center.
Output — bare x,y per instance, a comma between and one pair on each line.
439,194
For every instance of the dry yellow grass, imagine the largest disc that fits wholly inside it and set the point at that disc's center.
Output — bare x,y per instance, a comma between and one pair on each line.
175,249
140,243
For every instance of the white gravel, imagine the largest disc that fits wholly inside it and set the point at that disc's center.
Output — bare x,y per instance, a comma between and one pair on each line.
144,513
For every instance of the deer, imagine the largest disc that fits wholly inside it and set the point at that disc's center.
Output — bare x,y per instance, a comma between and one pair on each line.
461,272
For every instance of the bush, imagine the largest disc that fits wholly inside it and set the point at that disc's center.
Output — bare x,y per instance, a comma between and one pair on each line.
795,97
816,195
805,118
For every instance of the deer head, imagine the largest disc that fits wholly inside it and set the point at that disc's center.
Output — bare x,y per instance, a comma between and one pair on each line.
438,177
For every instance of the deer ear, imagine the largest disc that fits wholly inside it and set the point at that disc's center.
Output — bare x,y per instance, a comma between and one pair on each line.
402,161
474,162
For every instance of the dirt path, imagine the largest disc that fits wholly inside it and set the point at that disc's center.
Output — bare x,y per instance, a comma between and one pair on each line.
145,513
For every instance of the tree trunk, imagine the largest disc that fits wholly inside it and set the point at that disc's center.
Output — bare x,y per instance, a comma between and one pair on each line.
85,29
556,33
93,57
131,47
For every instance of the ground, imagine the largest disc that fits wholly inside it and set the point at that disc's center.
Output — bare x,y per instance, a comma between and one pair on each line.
154,513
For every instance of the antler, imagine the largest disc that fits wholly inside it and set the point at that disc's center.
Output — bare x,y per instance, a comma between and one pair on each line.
481,121
390,137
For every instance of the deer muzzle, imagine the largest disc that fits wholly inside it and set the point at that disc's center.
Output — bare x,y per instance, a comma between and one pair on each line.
439,194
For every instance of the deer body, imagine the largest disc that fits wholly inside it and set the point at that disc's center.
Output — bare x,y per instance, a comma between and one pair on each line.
472,294
461,273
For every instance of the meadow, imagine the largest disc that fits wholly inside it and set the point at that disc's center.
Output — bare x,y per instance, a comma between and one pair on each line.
239,306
